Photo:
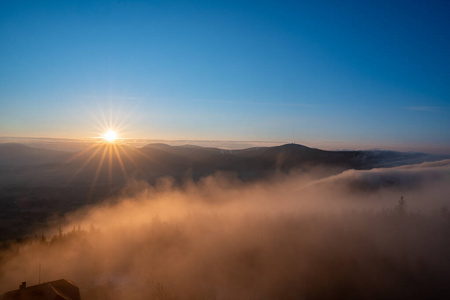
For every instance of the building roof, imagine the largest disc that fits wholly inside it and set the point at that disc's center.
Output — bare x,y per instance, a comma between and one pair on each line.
54,290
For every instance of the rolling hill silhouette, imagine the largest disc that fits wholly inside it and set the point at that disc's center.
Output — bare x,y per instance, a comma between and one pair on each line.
37,183
15,154
117,163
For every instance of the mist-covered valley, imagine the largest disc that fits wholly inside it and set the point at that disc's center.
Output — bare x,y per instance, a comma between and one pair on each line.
287,222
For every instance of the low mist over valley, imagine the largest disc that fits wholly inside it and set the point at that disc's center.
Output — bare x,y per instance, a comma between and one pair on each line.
187,222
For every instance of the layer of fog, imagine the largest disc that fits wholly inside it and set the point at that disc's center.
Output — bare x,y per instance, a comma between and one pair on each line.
342,236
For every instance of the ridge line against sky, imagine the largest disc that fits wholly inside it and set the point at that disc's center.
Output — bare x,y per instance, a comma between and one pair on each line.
360,74
75,144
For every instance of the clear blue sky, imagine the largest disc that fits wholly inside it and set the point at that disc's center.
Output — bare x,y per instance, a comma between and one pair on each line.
350,73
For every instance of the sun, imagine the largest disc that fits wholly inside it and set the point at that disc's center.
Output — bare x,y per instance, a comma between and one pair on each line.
110,136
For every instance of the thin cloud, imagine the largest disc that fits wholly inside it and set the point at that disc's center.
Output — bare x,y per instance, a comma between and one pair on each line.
264,103
424,108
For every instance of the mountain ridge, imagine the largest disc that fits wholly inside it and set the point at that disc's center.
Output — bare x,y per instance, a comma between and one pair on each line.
17,153
35,178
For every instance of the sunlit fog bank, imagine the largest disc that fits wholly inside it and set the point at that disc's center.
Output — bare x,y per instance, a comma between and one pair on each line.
377,234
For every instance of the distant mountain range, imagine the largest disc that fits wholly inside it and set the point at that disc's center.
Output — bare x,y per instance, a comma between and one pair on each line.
155,160
110,165
14,154
38,183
